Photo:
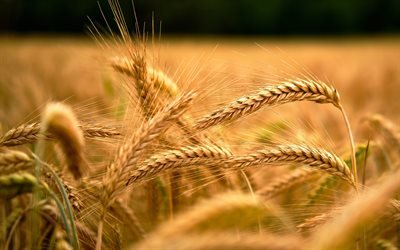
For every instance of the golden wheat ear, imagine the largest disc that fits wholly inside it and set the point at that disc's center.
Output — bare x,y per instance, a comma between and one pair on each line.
286,92
60,121
316,158
12,161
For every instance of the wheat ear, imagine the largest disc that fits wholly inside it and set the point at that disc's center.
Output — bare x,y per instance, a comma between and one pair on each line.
13,161
117,172
314,157
16,184
279,185
313,222
30,133
174,159
60,121
290,91
127,155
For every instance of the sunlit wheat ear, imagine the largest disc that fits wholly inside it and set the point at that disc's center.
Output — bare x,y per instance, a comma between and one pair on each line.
30,133
313,222
155,77
288,181
12,161
342,228
290,91
26,133
179,158
60,122
317,158
225,241
16,184
118,171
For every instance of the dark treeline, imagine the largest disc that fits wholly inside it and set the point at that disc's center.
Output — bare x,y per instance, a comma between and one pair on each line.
210,16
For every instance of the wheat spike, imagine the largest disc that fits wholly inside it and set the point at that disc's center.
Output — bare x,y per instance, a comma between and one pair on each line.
279,185
290,91
314,157
174,159
156,77
314,222
30,133
13,161
16,184
127,155
60,121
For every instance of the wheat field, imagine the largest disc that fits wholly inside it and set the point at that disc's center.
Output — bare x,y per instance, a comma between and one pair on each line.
132,142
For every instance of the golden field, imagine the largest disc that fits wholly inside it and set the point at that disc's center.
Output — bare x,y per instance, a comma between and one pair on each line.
265,176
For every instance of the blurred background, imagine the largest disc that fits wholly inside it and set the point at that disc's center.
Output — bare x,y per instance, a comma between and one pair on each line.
227,47
272,17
